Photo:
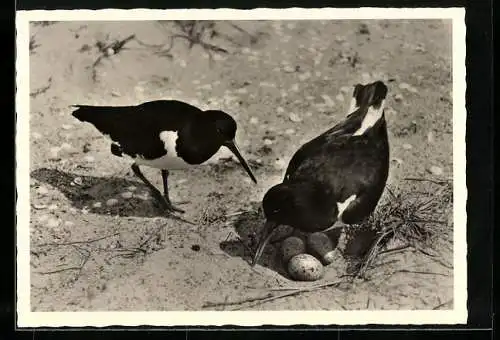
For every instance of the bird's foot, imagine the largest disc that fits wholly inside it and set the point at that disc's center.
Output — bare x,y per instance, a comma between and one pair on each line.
174,207
167,205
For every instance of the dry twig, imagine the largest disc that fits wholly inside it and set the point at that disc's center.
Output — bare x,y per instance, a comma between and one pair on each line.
42,89
77,242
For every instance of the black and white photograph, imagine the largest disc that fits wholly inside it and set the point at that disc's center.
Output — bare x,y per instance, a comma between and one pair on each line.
241,167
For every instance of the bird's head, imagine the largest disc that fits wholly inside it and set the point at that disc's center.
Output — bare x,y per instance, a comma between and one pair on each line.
370,95
304,205
224,125
224,132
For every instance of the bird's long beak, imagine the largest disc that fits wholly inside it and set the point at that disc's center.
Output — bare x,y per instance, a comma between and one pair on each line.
267,232
231,145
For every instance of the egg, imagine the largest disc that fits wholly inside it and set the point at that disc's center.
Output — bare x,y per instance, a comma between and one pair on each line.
290,247
320,246
305,267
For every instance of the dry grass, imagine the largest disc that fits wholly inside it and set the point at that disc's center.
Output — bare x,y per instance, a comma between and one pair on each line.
409,219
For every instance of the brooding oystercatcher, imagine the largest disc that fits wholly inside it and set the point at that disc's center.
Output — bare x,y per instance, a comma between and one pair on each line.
338,176
164,134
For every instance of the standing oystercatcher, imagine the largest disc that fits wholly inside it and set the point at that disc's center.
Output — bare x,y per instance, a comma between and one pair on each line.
164,134
338,176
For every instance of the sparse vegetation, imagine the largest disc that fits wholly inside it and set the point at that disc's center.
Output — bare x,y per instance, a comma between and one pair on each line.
95,232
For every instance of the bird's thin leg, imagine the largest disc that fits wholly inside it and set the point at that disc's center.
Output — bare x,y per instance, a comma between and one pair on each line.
164,176
156,193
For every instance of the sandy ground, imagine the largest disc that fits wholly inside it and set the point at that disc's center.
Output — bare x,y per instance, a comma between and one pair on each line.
284,82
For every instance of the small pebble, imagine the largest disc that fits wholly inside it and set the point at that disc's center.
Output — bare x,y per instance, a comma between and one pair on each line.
398,161
52,223
67,126
279,164
54,152
127,194
111,202
109,52
407,146
288,69
404,86
52,207
205,87
436,170
39,206
131,188
340,97
182,63
97,205
254,120
89,159
305,76
66,146
328,100
430,137
317,74
345,89
268,141
181,181
280,110
398,97
366,77
36,135
391,111
43,191
420,48
289,131
243,90
294,118
412,89
266,84
78,181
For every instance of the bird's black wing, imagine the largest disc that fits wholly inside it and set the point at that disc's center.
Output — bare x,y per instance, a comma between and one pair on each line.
348,164
335,137
136,129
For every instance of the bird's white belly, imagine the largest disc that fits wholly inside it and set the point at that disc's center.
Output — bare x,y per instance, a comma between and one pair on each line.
341,206
167,162
171,161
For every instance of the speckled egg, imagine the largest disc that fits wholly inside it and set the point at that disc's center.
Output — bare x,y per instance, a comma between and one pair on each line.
305,267
290,247
320,246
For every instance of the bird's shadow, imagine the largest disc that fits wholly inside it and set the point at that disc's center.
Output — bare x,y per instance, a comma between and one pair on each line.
248,227
93,193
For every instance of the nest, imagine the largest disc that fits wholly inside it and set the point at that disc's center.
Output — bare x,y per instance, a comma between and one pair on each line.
408,219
